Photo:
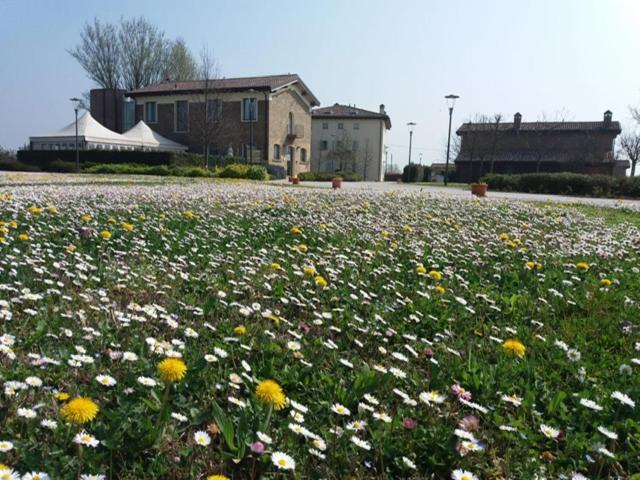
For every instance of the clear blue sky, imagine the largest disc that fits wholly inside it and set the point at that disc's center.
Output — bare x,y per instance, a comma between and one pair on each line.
537,56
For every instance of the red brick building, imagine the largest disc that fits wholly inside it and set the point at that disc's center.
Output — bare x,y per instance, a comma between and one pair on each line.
266,120
534,147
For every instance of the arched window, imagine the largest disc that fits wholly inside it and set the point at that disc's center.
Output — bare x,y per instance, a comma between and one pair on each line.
290,126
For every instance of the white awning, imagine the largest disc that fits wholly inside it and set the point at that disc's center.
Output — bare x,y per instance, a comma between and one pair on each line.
147,138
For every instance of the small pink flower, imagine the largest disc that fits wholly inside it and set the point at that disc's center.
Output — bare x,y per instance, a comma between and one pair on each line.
304,327
409,423
460,392
257,447
470,423
428,353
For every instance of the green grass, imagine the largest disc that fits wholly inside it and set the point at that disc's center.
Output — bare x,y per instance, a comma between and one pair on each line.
421,294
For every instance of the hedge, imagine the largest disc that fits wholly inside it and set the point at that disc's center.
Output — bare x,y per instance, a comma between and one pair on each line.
416,173
566,183
327,176
250,172
61,160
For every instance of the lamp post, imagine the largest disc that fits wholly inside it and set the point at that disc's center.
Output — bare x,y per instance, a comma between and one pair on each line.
451,101
410,125
76,101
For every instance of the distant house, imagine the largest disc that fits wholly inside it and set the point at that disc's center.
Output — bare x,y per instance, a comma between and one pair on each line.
349,139
266,120
530,147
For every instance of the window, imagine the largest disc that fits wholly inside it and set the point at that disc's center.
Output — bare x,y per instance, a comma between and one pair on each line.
151,112
356,126
276,152
182,116
303,155
290,125
249,110
324,145
214,109
341,126
325,126
354,146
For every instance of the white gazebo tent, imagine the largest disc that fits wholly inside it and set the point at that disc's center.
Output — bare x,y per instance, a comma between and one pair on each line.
91,136
147,139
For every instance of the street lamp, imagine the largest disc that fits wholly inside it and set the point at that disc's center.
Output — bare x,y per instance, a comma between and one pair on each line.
451,101
410,125
76,101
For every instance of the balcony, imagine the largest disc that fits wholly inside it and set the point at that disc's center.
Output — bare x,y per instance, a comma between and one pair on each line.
296,132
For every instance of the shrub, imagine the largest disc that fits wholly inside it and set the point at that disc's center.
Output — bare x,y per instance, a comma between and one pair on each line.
327,176
565,183
235,170
13,165
257,172
414,173
63,166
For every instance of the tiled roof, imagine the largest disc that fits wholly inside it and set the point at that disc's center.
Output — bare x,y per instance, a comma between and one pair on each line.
265,83
525,156
347,111
539,126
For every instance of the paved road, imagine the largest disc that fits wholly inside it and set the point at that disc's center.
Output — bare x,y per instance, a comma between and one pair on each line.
461,192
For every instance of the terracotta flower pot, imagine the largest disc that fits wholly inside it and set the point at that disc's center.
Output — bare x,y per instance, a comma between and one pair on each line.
289,178
479,189
295,180
336,182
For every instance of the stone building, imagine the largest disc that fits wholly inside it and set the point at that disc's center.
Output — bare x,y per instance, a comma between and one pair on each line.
266,120
535,147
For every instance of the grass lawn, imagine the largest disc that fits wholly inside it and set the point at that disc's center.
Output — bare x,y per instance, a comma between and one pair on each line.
189,329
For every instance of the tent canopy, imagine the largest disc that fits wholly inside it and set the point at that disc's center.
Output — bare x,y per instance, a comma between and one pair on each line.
147,138
93,135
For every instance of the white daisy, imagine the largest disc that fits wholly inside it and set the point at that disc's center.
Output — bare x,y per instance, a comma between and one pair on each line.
202,438
283,461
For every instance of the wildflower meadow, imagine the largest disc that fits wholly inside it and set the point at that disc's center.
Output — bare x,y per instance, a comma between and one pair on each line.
206,330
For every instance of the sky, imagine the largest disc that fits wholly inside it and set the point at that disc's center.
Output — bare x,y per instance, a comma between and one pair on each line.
538,57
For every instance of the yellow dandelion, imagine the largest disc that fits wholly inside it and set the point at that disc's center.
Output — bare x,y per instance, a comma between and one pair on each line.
605,282
530,265
62,396
296,230
270,392
86,218
407,229
217,477
320,281
106,234
112,220
420,269
302,248
172,370
80,410
52,210
35,210
440,289
435,275
584,266
127,226
514,347
504,236
23,236
71,248
275,266
240,330
188,214
309,271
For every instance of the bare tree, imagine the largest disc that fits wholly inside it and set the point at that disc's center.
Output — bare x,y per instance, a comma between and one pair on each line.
99,53
208,122
539,141
181,65
495,129
144,53
342,151
630,145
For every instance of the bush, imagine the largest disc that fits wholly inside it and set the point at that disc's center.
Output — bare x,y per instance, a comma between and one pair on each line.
392,177
327,176
565,183
63,166
13,165
235,170
257,172
415,173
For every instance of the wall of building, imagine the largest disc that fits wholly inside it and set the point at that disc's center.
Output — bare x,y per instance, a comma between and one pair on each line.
366,160
279,107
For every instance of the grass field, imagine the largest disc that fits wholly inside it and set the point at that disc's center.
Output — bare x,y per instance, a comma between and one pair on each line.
194,330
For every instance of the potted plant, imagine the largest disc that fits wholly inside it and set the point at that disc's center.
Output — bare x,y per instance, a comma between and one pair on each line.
295,180
336,182
479,189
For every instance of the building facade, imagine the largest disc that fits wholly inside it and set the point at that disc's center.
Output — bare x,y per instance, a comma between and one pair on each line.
349,139
537,147
265,120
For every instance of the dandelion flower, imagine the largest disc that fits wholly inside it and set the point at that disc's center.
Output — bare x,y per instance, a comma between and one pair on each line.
106,234
240,330
270,392
172,370
217,477
80,410
584,266
435,275
320,281
514,347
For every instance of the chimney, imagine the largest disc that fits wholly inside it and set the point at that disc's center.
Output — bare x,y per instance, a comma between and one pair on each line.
607,119
517,120
382,109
